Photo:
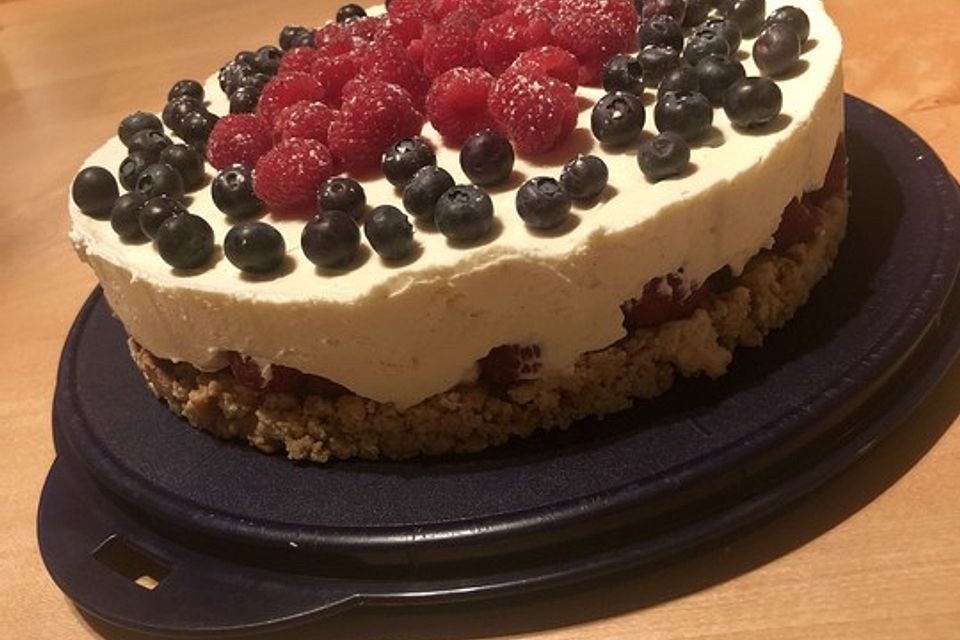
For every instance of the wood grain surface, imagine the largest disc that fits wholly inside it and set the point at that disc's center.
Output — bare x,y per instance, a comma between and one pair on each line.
874,555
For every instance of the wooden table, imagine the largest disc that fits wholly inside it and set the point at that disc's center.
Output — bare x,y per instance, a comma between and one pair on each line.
873,555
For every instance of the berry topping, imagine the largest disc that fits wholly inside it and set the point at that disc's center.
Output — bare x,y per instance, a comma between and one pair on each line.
125,216
675,9
623,72
305,38
457,103
507,364
187,161
391,64
716,73
746,13
664,156
331,240
403,159
686,113
232,192
584,177
548,61
422,193
350,12
161,179
792,17
657,61
501,39
451,44
661,29
334,73
594,31
240,138
726,29
798,224
131,167
137,122
286,90
150,143
617,118
290,33
777,50
342,194
254,247
464,213
697,12
683,78
703,43
244,100
297,60
662,302
542,203
178,109
536,113
288,176
487,158
185,241
196,127
307,120
752,102
190,88
389,232
267,60
229,77
156,211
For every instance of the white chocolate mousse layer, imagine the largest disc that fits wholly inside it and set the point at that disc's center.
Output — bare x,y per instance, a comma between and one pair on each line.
402,333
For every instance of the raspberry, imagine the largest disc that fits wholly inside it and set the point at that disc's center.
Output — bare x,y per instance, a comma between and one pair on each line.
341,47
287,177
238,139
798,224
457,103
283,91
389,63
401,31
657,305
300,59
409,9
308,120
548,61
249,374
594,31
537,113
504,37
374,115
546,7
451,45
334,73
509,363
440,9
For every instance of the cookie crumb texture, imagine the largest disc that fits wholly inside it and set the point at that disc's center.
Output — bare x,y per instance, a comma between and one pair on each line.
468,418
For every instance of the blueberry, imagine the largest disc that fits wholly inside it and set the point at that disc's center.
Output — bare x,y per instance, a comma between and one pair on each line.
155,212
244,100
342,194
268,59
623,72
661,30
687,113
94,191
697,12
753,102
254,247
683,78
331,240
185,241
747,13
150,143
125,216
349,12
196,128
404,158
673,8
135,123
160,179
289,34
187,161
190,88
464,213
229,77
486,158
389,232
663,156
178,109
726,29
246,59
254,80
777,50
792,17
131,167
703,43
584,177
617,118
717,72
657,61
542,203
233,194
306,38
422,193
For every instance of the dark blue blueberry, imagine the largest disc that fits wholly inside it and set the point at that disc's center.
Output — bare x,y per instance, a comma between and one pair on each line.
233,194
254,80
94,191
289,34
753,102
125,216
244,100
349,12
487,158
190,88
342,194
268,59
404,158
178,109
792,17
187,161
697,12
686,113
661,30
156,211
196,128
617,118
717,72
160,179
135,123
464,213
228,77
246,59
683,78
185,241
150,143
747,13
254,247
306,38
422,193
389,232
726,29
777,50
663,156
131,167
331,240
702,44
623,72
657,61
584,177
542,203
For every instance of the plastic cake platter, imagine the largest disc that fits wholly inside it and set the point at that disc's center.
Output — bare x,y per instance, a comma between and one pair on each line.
150,524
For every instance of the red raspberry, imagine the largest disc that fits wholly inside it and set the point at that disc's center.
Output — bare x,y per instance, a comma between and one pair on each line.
401,31
308,120
457,103
283,91
334,73
389,63
282,379
374,116
341,47
537,113
548,61
594,31
657,306
546,8
287,177
440,9
504,37
509,363
451,45
364,29
238,139
798,224
300,59
409,9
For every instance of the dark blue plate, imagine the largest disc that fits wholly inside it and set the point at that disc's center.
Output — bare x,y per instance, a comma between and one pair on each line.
237,540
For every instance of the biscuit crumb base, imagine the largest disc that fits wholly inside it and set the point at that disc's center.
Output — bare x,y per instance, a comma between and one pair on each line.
468,418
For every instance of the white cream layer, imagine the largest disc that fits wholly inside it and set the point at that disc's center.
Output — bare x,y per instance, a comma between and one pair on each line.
403,333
